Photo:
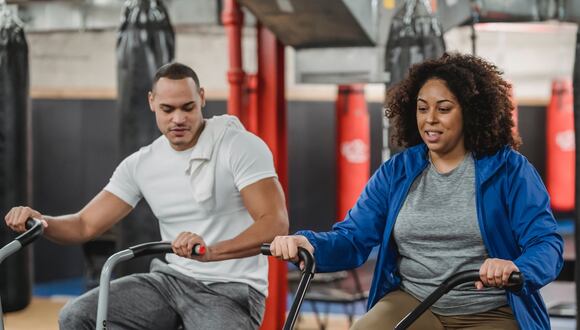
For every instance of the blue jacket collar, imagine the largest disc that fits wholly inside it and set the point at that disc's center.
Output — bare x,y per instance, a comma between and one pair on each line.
488,166
416,159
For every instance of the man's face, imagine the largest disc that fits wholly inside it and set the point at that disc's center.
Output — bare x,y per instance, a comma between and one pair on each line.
177,106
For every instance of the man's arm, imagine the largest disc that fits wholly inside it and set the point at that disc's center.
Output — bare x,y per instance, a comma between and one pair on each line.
266,203
100,214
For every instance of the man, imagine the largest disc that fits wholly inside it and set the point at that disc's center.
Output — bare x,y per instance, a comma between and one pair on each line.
209,182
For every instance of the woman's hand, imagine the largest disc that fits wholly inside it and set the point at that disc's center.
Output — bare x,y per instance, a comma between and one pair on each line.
286,247
495,273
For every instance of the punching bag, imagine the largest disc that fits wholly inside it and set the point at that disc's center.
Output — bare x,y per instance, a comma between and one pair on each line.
145,42
561,146
15,271
415,35
353,146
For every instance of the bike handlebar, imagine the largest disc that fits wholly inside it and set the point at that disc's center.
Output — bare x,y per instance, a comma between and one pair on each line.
123,255
307,274
34,229
161,247
515,280
303,255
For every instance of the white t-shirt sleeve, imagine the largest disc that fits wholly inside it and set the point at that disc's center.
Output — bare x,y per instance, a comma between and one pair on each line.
250,159
122,184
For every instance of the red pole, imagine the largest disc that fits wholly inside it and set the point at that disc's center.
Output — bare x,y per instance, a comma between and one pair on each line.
251,112
272,129
352,147
232,18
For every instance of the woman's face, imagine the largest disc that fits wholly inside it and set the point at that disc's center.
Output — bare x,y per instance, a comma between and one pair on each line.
440,119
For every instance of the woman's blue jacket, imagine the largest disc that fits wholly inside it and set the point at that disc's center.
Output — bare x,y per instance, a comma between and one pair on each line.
513,210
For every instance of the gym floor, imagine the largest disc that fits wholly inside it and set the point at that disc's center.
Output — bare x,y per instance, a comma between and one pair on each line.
42,312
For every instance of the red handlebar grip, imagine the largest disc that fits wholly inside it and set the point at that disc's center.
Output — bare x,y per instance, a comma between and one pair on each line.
198,249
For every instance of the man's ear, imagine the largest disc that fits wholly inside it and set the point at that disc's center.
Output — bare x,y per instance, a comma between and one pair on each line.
202,96
150,99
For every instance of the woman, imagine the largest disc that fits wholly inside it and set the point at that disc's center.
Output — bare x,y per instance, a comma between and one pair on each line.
459,197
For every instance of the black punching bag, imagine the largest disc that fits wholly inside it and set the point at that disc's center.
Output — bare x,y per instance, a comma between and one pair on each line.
145,42
415,36
16,270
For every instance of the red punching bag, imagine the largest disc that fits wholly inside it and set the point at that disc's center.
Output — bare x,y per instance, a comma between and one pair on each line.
561,148
353,151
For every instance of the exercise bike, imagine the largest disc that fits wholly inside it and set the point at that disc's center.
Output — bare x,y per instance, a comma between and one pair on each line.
515,281
165,247
34,230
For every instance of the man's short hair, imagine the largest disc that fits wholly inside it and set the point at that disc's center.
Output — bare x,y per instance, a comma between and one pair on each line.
175,71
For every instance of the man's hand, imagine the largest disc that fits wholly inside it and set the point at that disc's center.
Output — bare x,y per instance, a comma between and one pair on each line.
17,216
184,243
286,247
495,273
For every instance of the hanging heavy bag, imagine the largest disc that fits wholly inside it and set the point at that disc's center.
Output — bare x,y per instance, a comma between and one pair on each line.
145,42
352,147
561,146
15,271
415,36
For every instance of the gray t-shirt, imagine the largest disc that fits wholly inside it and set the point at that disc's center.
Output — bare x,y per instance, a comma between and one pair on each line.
437,234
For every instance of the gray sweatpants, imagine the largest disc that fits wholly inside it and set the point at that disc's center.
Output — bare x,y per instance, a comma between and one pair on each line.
164,299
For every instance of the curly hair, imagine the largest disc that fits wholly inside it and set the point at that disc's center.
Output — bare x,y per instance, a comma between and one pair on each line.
483,94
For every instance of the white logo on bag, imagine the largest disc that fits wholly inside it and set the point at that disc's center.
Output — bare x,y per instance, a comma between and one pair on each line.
566,140
355,151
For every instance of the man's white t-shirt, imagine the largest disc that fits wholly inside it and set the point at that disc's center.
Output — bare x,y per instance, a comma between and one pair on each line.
198,190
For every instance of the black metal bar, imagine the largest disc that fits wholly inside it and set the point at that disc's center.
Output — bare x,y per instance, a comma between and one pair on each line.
157,248
474,20
307,274
34,229
516,280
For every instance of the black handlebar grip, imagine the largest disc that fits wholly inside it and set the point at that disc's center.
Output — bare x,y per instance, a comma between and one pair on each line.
29,223
265,249
162,247
516,278
515,281
303,255
34,228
